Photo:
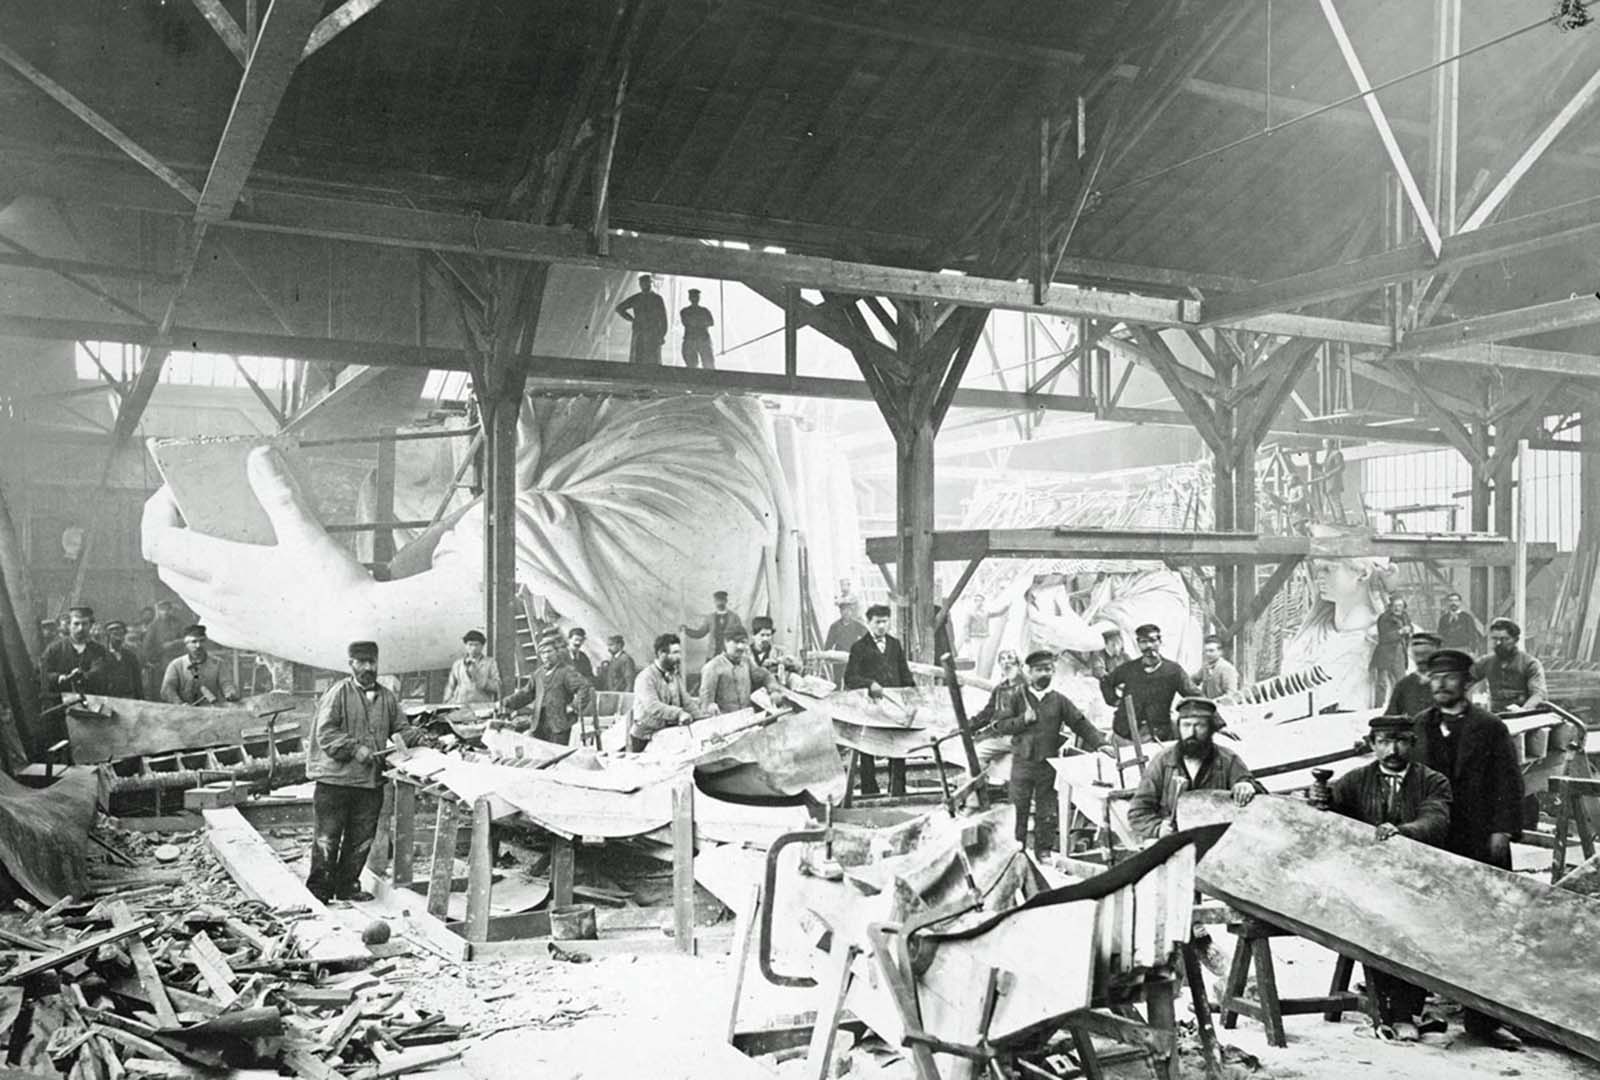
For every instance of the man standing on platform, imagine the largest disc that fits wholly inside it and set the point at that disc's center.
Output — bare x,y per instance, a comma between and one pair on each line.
196,677
1400,797
475,678
660,699
1472,748
618,670
1516,679
556,692
122,675
355,720
1413,693
1194,763
878,660
1217,676
697,323
719,623
1458,628
1035,720
648,313
1151,683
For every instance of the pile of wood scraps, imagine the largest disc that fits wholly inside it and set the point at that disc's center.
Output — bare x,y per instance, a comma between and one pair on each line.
133,984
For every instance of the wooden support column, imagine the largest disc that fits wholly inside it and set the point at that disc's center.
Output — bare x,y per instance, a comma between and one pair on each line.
383,499
914,522
499,418
683,864
1481,522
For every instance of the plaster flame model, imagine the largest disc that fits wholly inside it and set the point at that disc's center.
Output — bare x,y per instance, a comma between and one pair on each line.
630,512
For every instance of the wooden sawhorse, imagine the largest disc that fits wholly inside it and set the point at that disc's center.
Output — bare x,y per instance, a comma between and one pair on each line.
1253,947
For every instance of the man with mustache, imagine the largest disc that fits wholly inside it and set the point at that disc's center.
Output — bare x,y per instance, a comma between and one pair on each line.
355,720
1193,763
556,694
1412,694
660,699
1035,722
1516,679
1399,797
1150,682
1472,748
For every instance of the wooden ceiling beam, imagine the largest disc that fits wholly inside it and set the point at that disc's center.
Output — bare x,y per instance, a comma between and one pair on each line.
284,31
337,22
225,27
1515,236
1522,322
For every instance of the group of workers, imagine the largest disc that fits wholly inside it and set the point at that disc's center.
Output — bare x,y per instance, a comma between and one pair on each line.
646,313
79,663
744,669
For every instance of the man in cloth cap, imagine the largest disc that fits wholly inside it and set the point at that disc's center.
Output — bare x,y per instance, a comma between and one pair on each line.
719,622
1400,797
122,674
845,631
1193,763
355,721
1412,694
878,660
196,677
1035,719
1472,748
555,694
475,677
1150,682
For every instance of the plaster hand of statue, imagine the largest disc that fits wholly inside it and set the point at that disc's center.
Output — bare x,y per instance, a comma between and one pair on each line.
629,512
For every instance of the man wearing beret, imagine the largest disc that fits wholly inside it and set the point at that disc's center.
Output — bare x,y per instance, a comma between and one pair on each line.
355,720
475,678
1150,683
557,693
1034,719
1193,763
122,674
196,677
1400,797
1473,749
1412,693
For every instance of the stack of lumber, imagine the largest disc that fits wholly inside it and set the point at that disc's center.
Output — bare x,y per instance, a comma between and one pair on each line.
1575,618
153,982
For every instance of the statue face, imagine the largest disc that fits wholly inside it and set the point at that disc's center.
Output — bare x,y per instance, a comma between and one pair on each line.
1338,580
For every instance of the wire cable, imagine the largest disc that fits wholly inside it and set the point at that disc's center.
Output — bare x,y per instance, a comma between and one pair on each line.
1273,129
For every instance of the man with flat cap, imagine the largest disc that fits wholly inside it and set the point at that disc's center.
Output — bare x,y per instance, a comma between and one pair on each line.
554,695
1035,719
122,674
1194,763
1399,797
73,662
1412,693
1150,682
196,677
355,720
719,622
1472,748
475,677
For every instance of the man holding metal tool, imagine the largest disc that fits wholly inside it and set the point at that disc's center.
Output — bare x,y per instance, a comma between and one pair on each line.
660,700
877,661
1034,720
196,677
1194,763
556,693
356,719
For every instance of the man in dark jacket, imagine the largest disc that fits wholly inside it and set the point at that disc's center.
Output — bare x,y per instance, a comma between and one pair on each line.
1400,797
123,673
1413,693
1473,749
719,622
1515,678
844,631
355,720
576,638
74,662
876,661
1193,763
618,670
1034,719
1459,628
1150,683
556,692
647,312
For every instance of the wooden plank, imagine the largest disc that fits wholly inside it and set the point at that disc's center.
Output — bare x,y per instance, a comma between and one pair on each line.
405,832
442,870
831,988
1535,150
743,937
407,912
75,951
562,870
413,1060
683,862
262,876
213,967
1149,919
128,728
1325,878
144,967
480,874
